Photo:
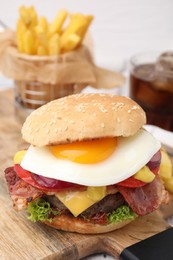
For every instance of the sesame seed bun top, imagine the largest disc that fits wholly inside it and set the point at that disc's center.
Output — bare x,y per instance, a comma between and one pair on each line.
81,117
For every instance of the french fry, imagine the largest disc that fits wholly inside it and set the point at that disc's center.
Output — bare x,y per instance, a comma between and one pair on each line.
81,23
36,36
20,30
42,38
43,24
83,29
28,41
165,170
41,51
39,29
20,43
21,48
41,32
20,26
56,25
71,42
25,15
54,45
78,26
33,16
169,184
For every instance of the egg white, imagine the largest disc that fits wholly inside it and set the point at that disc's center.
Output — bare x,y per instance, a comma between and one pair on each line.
130,155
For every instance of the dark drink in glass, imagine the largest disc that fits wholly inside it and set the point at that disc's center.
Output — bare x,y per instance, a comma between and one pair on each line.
152,88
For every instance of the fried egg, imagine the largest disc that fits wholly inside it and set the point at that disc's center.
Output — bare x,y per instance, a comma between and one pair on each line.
99,162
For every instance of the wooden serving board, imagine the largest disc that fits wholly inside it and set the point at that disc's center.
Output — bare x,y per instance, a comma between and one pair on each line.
22,239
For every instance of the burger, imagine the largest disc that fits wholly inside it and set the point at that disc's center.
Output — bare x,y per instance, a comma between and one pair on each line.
90,167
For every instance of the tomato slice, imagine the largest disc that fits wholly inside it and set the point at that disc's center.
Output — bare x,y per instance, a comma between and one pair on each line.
153,164
27,176
24,174
131,183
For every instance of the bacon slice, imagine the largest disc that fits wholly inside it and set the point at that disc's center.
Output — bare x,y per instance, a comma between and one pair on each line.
144,200
21,192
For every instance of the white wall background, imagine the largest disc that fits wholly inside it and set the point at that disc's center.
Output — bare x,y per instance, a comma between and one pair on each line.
120,28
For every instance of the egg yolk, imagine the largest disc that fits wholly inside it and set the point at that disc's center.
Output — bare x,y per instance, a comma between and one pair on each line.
85,152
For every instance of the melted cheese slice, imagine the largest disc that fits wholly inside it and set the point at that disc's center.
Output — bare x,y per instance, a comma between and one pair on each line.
79,201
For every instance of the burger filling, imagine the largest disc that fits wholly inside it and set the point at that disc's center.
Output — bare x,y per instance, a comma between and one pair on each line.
47,198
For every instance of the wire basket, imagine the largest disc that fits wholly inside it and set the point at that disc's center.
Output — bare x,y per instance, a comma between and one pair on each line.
31,95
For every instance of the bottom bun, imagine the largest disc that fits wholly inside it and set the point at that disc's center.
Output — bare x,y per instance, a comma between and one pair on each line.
77,225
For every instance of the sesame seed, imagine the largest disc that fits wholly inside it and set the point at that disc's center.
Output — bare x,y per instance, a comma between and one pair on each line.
103,110
135,107
102,125
118,119
65,128
79,109
102,95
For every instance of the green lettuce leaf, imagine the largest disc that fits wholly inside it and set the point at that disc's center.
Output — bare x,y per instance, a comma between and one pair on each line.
40,210
121,213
